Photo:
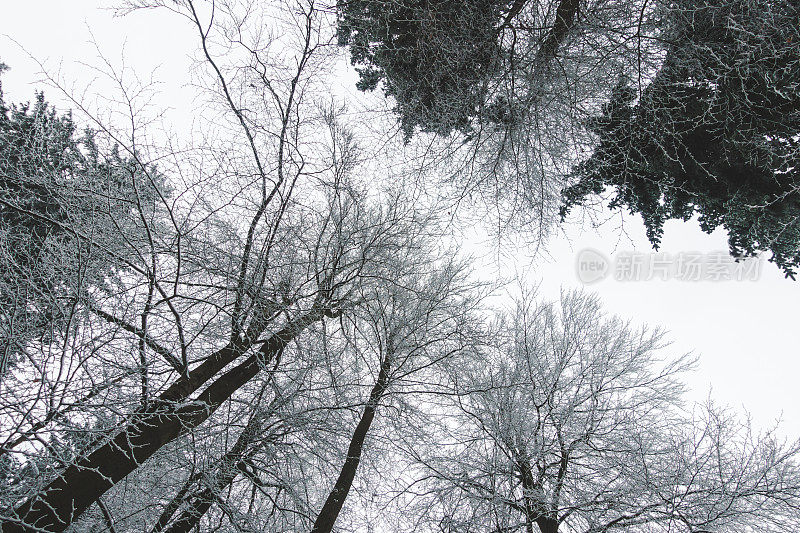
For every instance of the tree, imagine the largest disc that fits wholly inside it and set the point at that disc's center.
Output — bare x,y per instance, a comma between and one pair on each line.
54,183
440,59
260,325
714,134
397,334
411,327
269,235
576,425
504,87
704,120
266,434
433,57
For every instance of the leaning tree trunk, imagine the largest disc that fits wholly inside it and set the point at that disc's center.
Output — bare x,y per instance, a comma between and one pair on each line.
86,480
333,505
566,14
197,504
172,507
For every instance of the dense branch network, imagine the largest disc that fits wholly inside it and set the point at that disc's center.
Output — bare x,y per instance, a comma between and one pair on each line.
271,327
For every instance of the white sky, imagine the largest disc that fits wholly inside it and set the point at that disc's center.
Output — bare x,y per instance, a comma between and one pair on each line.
746,333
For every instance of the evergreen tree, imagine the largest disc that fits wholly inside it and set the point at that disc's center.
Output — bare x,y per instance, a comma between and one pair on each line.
433,57
59,201
717,132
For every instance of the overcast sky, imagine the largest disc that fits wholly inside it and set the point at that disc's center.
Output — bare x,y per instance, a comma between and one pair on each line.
746,333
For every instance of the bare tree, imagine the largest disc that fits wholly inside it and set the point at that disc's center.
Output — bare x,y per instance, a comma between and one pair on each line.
263,237
398,333
409,329
576,425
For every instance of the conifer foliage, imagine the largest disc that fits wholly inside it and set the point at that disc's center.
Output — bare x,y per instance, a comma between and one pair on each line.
716,133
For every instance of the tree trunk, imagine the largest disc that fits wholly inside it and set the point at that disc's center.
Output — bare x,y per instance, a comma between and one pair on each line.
226,471
547,525
87,479
534,508
333,505
199,504
174,504
566,13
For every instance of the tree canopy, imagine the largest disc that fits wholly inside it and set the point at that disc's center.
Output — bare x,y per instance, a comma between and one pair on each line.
576,423
59,200
716,133
434,57
701,112
268,322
